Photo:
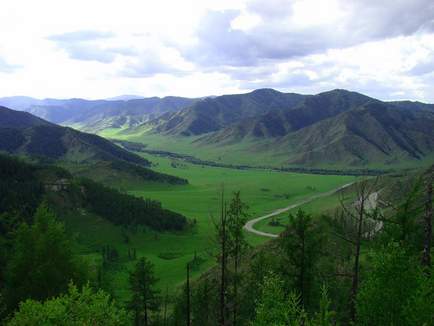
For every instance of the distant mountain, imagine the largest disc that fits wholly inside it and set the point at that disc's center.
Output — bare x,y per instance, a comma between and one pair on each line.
18,102
278,123
373,133
84,112
416,109
212,114
20,132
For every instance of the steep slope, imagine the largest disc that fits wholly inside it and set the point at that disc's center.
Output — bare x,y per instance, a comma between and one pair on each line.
63,143
12,118
278,123
213,114
373,133
20,132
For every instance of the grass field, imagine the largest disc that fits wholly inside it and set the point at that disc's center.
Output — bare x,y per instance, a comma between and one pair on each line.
262,190
236,154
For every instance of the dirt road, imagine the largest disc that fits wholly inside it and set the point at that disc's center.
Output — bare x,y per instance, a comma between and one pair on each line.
249,224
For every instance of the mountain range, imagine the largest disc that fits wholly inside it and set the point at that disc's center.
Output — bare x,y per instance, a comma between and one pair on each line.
87,112
334,128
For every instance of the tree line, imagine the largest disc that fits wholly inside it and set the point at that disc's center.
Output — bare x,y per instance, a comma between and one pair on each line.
127,210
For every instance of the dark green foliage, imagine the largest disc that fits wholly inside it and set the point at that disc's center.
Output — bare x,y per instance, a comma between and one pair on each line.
123,209
130,145
419,308
403,226
43,262
47,140
392,282
145,296
107,150
302,242
73,308
147,174
12,118
20,189
37,136
11,139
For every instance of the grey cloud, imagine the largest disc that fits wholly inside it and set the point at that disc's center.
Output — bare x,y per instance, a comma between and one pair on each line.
422,69
88,52
218,44
84,46
277,38
147,64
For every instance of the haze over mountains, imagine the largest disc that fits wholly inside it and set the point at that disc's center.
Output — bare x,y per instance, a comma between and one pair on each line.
22,132
338,127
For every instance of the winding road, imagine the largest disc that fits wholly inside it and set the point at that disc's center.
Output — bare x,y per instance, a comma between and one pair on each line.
249,224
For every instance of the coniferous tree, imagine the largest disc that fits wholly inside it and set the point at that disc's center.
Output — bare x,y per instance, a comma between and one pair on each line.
44,260
237,218
145,296
302,241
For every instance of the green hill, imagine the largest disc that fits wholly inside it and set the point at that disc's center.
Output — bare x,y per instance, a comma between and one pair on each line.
213,114
336,128
374,133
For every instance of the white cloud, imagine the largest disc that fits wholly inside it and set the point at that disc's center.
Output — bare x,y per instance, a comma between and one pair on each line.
200,47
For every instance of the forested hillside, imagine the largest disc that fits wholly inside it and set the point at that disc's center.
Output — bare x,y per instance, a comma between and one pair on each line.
30,193
23,133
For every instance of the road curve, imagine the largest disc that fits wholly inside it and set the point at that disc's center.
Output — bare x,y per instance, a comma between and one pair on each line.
249,224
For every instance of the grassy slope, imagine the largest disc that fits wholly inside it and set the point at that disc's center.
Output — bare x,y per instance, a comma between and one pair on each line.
237,154
195,201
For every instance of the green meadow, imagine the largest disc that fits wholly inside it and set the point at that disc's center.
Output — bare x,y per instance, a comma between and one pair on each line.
264,191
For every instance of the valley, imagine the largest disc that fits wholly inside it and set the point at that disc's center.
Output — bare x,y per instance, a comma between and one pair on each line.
290,156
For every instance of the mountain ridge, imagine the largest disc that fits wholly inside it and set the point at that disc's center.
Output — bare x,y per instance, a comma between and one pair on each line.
34,135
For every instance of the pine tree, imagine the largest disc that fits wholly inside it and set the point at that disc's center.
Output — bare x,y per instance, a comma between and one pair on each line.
145,296
44,260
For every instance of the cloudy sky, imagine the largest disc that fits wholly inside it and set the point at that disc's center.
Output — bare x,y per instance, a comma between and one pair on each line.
99,49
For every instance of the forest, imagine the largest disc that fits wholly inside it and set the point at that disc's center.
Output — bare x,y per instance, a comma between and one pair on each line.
361,264
38,258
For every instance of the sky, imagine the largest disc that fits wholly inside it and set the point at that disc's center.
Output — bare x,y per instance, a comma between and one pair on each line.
100,49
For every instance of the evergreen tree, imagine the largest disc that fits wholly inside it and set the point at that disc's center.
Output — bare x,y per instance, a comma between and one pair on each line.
392,282
302,241
44,260
237,218
275,308
145,296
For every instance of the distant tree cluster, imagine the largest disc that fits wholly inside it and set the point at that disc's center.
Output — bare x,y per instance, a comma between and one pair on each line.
47,140
123,209
148,174
11,139
130,145
20,189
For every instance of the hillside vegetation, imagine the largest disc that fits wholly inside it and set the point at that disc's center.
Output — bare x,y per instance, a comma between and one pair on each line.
154,217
